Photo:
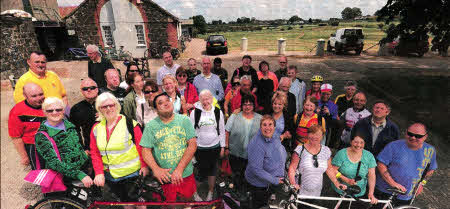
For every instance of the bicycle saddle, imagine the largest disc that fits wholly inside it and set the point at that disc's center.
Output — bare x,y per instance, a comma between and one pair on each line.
395,190
353,190
77,183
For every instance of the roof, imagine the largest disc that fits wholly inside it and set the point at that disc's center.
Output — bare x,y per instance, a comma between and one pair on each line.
187,21
143,2
64,11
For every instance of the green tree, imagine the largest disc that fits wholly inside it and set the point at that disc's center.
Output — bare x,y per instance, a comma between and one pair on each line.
294,18
417,20
350,13
200,24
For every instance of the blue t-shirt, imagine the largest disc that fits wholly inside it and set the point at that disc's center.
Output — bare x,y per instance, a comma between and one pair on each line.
349,168
406,166
279,128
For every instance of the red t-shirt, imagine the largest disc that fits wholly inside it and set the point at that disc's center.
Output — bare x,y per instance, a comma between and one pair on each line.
24,122
236,102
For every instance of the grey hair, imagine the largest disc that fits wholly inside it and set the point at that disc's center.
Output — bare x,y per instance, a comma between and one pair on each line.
245,77
92,47
205,92
101,99
350,83
52,100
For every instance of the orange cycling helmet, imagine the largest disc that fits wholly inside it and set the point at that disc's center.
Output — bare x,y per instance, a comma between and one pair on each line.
317,78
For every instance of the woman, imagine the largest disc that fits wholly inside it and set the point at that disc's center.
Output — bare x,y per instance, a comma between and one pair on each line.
116,161
146,112
74,162
235,87
306,119
135,97
284,125
170,86
267,84
210,139
356,166
266,162
311,160
132,68
316,82
240,128
186,89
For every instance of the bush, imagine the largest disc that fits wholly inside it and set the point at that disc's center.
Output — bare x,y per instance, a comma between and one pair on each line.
322,24
289,28
301,26
358,26
282,29
334,23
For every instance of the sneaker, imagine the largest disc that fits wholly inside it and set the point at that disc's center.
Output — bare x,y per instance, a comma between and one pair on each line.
209,197
197,198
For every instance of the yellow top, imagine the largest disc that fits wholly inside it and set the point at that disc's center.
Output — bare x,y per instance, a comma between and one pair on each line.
50,84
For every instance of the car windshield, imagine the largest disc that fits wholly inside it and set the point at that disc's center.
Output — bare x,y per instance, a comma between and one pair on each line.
216,38
353,32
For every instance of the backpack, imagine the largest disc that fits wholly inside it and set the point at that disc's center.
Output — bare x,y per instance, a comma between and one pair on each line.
198,113
297,120
130,128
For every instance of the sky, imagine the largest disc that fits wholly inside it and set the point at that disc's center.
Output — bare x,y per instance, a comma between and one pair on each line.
230,10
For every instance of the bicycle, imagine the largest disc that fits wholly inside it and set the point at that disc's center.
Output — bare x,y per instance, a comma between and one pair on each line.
78,54
157,51
349,195
143,67
120,55
79,197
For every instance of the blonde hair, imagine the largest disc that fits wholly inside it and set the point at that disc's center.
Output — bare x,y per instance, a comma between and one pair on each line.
281,96
103,98
171,77
52,100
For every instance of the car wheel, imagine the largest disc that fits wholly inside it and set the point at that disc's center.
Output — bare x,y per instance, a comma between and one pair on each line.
329,49
358,51
338,49
226,51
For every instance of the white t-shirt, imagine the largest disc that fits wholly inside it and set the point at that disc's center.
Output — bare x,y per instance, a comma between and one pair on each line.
351,117
163,71
312,177
123,85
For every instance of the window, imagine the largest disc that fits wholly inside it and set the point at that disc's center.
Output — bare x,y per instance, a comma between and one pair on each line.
109,39
140,35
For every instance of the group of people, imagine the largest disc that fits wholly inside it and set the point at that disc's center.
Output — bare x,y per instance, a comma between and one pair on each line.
259,120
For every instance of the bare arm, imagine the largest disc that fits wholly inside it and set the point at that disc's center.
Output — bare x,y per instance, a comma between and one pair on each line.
372,180
161,174
292,167
20,147
331,173
177,174
382,168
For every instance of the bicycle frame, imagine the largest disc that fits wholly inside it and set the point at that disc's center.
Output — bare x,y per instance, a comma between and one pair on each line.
216,203
339,199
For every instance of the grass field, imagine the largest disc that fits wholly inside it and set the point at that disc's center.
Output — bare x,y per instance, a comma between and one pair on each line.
298,39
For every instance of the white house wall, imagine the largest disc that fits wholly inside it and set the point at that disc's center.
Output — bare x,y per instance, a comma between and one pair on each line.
122,16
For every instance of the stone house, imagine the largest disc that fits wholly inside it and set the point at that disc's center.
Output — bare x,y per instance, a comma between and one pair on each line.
135,24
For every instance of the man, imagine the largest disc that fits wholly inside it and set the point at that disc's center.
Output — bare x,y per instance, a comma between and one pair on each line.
112,85
247,69
220,71
282,72
24,121
246,88
49,82
377,129
97,65
284,86
83,114
168,145
353,115
208,80
298,87
406,165
168,68
192,70
344,101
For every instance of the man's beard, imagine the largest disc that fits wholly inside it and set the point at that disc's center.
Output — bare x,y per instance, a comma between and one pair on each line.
165,114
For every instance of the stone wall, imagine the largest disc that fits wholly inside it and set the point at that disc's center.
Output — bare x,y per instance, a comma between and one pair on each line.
17,42
159,24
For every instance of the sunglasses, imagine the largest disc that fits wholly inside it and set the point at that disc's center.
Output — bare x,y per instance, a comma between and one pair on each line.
316,163
283,62
418,136
133,71
236,84
107,106
54,110
152,91
182,75
89,88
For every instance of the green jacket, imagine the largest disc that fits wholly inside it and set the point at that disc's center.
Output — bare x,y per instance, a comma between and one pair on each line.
129,105
72,154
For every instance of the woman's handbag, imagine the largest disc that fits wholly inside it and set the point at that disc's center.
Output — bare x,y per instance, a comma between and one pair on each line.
225,168
48,179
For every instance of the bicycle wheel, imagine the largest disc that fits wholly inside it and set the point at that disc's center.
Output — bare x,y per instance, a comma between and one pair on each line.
59,203
126,55
406,207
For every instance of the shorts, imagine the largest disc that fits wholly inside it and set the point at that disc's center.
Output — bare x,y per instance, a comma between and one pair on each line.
207,161
185,190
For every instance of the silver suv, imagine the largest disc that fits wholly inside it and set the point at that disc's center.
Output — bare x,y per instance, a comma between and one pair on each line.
346,39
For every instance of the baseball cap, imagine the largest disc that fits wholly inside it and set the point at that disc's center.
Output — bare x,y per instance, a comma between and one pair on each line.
326,87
